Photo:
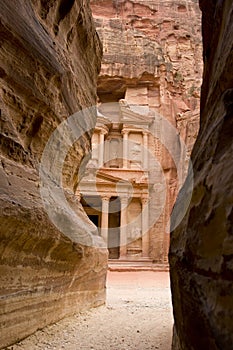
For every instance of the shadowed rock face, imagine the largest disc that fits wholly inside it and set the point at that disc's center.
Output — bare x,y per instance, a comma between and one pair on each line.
50,59
201,252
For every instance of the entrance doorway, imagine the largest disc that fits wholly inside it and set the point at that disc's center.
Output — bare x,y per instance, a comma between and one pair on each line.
93,206
114,228
95,220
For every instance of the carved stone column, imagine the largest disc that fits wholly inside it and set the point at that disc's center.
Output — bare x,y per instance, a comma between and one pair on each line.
104,218
125,148
145,150
101,148
145,227
123,228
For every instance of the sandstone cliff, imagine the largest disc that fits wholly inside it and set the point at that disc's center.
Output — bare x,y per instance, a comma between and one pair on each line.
50,59
152,57
201,253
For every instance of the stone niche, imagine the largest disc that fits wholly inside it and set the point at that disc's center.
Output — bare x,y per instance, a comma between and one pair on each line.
50,58
201,252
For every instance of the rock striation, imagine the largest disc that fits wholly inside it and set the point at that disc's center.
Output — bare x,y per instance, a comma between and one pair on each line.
152,57
201,252
50,58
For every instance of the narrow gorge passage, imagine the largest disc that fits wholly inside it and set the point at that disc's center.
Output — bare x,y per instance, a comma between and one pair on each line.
137,315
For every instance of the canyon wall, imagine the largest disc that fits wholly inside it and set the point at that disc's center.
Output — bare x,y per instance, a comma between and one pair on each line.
50,58
201,252
152,57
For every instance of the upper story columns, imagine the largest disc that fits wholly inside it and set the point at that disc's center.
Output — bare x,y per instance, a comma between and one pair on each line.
125,148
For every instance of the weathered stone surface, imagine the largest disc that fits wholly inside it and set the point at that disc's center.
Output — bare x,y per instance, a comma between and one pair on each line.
152,57
201,253
50,58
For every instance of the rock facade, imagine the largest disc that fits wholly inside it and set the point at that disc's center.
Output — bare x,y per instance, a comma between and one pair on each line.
152,58
201,253
50,58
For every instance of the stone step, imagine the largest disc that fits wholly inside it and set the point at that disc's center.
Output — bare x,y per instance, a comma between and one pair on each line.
136,265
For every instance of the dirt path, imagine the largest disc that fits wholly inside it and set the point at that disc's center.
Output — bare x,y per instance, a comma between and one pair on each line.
137,316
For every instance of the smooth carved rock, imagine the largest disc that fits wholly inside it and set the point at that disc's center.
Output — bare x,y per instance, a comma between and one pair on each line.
50,58
201,253
152,62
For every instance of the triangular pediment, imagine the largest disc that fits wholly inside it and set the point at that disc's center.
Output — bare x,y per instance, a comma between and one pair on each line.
107,178
128,116
101,177
102,120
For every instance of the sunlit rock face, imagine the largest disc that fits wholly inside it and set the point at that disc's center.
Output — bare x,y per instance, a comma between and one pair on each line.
152,57
50,59
201,253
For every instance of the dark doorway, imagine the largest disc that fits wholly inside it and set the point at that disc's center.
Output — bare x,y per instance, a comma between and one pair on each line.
94,219
93,206
114,228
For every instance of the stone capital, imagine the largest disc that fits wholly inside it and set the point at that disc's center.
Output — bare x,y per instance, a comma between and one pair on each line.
106,198
125,132
144,200
103,130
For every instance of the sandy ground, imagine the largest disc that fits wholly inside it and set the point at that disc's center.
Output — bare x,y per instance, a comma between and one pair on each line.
137,316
